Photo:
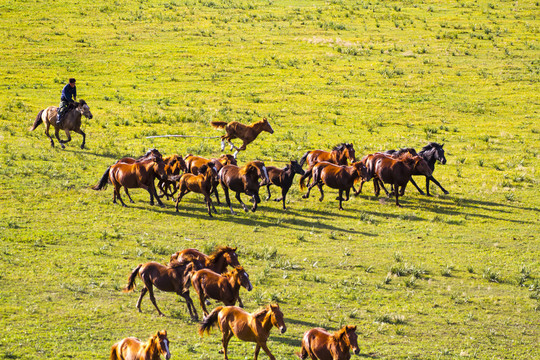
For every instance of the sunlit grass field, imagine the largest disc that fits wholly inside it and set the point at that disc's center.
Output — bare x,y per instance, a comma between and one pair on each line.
445,277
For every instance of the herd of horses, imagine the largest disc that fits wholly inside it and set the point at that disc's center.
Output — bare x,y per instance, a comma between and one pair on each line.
209,275
210,278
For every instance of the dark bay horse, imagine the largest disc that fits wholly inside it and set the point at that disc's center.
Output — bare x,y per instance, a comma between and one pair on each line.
169,278
224,287
174,164
243,180
398,172
201,184
193,163
133,349
233,321
319,344
246,133
70,122
282,178
140,174
335,176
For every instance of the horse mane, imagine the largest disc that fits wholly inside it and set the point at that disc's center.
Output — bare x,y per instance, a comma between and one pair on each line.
186,259
230,273
402,151
261,313
431,145
219,252
250,166
82,102
150,152
338,334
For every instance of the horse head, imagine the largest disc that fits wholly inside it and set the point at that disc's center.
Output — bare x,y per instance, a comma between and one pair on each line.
162,343
439,153
362,170
422,166
266,126
159,167
229,254
243,277
227,159
84,109
296,167
348,334
349,148
261,170
277,318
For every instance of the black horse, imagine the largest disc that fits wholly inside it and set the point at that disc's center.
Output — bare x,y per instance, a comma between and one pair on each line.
282,178
431,153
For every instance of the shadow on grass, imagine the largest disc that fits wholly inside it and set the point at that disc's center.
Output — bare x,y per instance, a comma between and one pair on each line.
288,341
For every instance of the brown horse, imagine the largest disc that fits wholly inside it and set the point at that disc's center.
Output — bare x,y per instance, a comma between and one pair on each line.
224,288
201,184
193,164
133,349
254,327
170,278
339,155
246,133
70,122
243,180
174,164
217,261
335,176
282,178
398,172
319,344
140,174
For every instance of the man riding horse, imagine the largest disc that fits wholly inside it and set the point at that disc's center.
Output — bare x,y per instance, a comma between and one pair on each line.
69,96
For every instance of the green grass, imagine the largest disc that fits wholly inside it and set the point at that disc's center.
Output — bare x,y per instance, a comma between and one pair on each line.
451,276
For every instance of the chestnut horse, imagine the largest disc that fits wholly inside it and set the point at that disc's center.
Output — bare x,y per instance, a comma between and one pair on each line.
174,164
339,155
254,327
282,178
246,133
243,180
70,122
170,278
133,349
140,174
193,163
335,176
319,344
201,184
224,288
398,172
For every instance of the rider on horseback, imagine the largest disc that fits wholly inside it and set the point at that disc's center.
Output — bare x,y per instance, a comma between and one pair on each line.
69,96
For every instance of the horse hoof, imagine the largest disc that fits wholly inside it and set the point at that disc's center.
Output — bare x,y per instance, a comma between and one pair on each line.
82,147
446,193
220,351
304,196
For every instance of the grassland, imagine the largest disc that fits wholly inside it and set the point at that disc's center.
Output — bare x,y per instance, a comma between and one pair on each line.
447,277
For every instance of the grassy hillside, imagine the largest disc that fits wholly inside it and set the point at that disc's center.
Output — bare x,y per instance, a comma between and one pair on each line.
448,276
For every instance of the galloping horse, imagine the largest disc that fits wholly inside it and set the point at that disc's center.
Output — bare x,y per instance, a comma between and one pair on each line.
140,174
170,278
174,164
133,349
339,155
282,178
193,163
319,344
432,153
70,122
335,176
247,327
224,288
201,184
398,172
246,133
243,180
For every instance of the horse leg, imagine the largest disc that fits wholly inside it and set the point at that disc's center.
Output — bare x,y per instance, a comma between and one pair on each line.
266,350
269,194
57,135
143,292
320,185
117,194
79,131
436,183
416,186
356,193
397,196
202,301
209,204
240,303
240,201
284,191
191,307
340,199
152,298
225,338
129,197
180,196
381,184
47,133
214,190
256,201
62,142
223,142
228,199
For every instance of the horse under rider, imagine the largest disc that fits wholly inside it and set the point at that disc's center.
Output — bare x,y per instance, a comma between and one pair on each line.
69,96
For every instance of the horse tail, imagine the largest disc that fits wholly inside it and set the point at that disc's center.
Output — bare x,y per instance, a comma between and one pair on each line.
114,355
209,321
131,281
37,122
304,177
219,124
102,184
304,158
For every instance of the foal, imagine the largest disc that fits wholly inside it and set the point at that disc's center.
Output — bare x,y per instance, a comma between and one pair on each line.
319,344
133,349
246,133
282,178
201,184
224,288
